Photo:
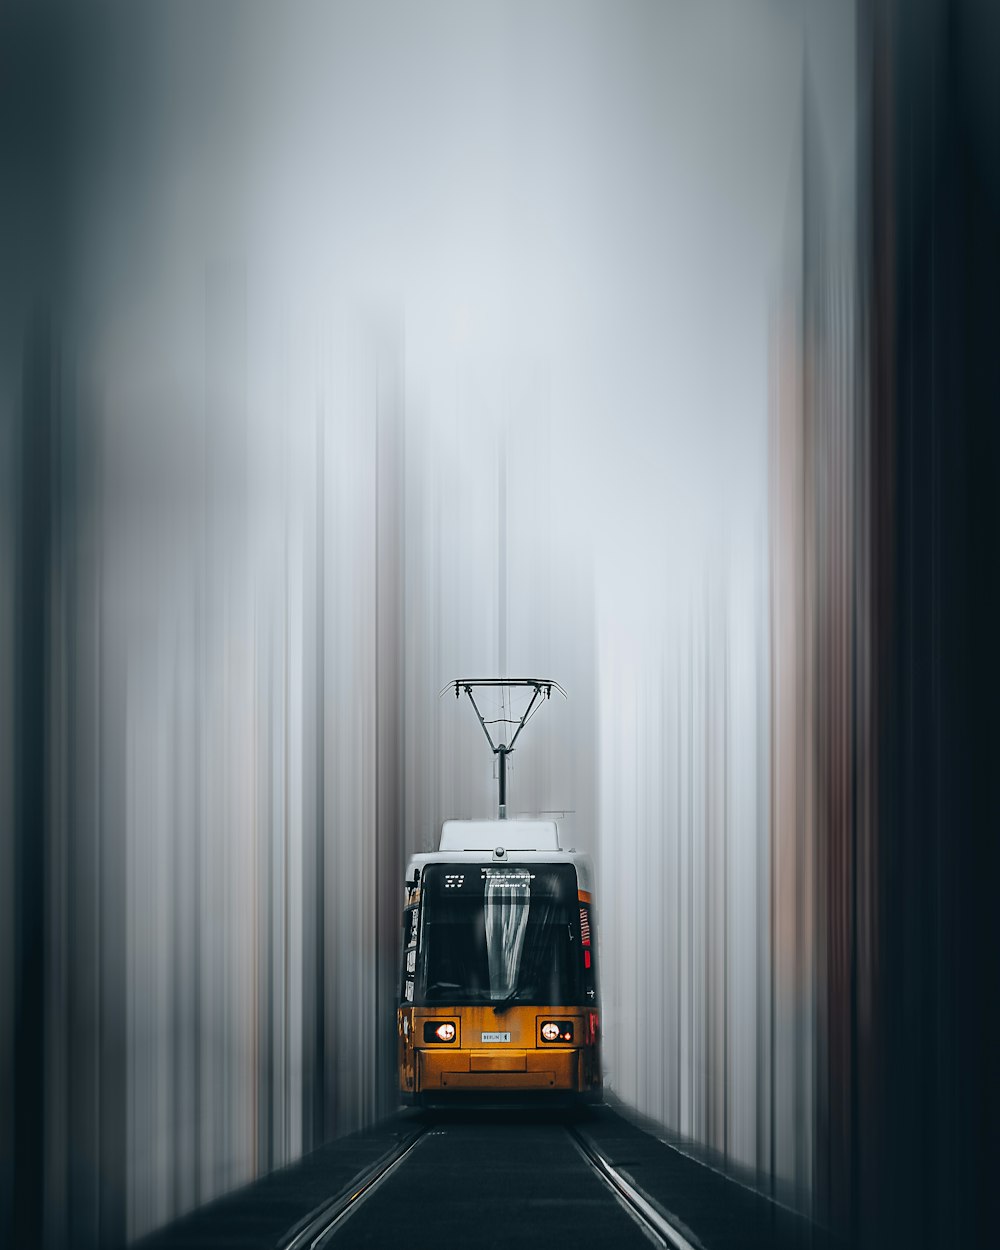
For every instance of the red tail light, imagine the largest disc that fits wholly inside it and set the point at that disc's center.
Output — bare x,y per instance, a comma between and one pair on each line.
593,1027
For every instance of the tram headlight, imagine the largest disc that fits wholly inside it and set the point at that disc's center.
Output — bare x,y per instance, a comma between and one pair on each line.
557,1030
440,1031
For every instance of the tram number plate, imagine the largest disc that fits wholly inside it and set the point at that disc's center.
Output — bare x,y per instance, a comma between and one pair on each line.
496,1037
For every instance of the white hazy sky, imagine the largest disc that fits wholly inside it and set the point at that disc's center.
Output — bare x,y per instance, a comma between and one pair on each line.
598,195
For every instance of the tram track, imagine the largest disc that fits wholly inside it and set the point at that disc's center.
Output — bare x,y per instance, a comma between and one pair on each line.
653,1222
322,1226
323,1223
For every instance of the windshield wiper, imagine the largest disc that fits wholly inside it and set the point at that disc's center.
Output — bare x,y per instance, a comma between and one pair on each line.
500,1005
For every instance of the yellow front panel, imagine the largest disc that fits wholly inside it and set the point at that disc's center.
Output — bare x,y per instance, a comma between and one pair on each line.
500,1060
521,1022
523,1062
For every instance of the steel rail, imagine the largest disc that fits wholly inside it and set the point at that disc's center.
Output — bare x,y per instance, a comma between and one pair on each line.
321,1223
661,1229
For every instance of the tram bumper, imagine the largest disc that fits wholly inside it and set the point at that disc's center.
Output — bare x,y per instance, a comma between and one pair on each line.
509,1069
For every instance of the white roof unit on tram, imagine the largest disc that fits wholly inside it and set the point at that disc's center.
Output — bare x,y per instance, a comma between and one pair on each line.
512,835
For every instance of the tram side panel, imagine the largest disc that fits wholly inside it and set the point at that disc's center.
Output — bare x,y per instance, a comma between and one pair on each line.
411,932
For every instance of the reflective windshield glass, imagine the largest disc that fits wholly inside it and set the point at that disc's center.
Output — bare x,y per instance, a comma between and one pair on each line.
499,933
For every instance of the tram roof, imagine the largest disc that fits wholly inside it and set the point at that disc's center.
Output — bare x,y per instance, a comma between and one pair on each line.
513,835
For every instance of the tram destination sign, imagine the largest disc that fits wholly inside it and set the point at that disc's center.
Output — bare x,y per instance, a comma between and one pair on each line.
496,1037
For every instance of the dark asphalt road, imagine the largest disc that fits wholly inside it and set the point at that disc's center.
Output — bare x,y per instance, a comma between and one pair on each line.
482,1180
490,1185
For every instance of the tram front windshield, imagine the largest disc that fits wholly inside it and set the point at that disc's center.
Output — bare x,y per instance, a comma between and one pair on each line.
499,934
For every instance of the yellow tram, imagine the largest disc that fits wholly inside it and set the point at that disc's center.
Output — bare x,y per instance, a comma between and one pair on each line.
498,982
